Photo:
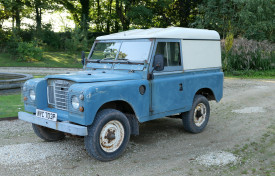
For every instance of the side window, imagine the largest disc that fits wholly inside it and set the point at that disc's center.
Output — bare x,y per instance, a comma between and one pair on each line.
171,54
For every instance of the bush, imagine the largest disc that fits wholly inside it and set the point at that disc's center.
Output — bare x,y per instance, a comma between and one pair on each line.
12,43
28,52
4,38
248,55
77,42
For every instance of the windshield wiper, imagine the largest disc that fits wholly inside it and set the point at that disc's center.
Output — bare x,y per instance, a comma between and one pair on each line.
131,62
123,59
107,58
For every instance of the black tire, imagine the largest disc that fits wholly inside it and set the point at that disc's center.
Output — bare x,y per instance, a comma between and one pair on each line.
108,123
47,134
196,119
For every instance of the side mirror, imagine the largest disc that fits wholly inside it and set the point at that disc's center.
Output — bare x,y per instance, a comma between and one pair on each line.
83,57
158,63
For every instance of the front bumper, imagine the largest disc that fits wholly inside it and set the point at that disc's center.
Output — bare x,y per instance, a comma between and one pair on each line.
59,126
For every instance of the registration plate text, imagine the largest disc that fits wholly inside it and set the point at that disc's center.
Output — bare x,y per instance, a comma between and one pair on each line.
46,115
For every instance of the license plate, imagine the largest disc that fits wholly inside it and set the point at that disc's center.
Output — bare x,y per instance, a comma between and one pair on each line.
46,115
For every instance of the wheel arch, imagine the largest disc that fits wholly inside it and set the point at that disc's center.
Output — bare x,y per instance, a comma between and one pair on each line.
127,109
207,92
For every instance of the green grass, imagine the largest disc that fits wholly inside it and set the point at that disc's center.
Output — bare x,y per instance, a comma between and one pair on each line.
10,105
252,74
261,152
50,59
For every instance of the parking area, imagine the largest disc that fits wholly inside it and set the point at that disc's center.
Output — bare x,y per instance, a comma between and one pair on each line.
244,117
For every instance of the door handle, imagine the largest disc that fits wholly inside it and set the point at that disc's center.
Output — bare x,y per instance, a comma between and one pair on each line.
181,88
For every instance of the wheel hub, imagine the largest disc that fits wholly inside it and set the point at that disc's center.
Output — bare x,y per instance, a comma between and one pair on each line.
111,136
200,114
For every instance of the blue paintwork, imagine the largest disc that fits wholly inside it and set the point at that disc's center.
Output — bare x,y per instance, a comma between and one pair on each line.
39,85
97,76
121,82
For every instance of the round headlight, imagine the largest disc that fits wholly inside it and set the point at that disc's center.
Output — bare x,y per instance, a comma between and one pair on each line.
32,95
75,102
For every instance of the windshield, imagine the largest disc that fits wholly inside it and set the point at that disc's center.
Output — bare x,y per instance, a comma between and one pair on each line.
105,51
125,50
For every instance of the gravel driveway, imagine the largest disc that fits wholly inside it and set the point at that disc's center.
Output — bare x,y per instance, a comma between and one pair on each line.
163,148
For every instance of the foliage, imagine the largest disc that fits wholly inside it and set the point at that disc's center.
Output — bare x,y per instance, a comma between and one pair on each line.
28,52
77,42
248,55
250,19
217,15
12,43
231,18
256,19
228,43
52,40
79,10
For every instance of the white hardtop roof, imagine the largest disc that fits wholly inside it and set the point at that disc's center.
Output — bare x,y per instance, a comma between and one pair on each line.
171,33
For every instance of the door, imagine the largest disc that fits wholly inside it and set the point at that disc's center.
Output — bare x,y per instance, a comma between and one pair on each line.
167,87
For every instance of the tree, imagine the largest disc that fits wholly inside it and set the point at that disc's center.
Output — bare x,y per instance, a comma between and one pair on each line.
256,19
5,13
250,19
218,15
39,6
184,12
13,8
80,10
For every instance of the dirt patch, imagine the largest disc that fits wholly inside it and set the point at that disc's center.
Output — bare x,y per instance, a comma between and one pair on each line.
31,152
219,158
249,110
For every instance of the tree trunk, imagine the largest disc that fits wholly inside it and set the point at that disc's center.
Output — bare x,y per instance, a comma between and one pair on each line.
98,16
16,10
17,19
124,21
109,17
13,19
85,9
116,22
184,12
38,17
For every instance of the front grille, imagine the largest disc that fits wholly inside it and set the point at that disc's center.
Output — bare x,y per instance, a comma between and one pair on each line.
58,93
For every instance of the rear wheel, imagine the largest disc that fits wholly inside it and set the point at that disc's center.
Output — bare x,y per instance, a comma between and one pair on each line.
108,136
196,119
47,134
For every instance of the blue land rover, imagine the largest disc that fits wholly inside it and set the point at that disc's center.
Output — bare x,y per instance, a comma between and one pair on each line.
129,78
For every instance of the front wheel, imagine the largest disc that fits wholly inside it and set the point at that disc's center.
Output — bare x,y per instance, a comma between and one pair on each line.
196,119
108,136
